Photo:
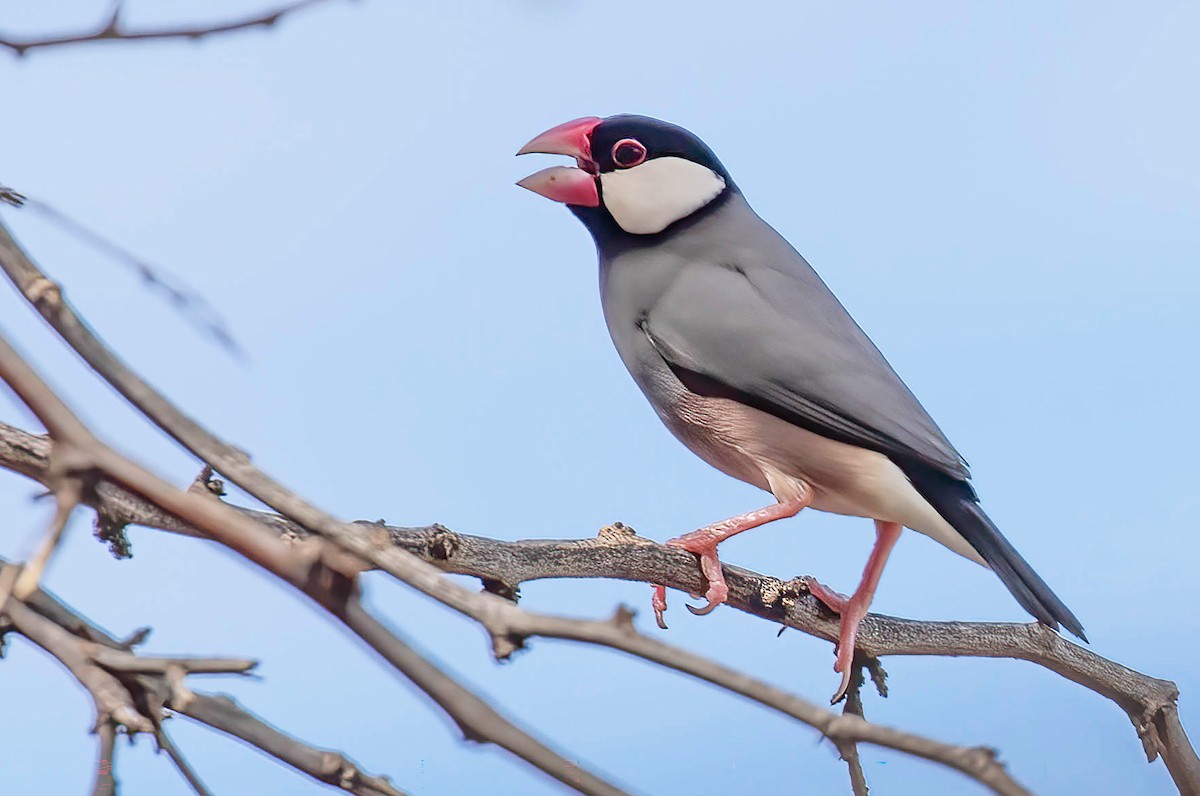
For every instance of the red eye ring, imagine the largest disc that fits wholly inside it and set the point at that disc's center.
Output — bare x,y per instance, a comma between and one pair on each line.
628,152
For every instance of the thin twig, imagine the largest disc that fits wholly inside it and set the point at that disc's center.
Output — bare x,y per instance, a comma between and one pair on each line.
189,303
112,699
105,783
153,682
112,29
848,750
10,197
67,496
224,714
181,763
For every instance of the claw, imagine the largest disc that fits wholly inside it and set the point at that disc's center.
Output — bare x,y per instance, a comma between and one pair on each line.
705,611
840,694
659,603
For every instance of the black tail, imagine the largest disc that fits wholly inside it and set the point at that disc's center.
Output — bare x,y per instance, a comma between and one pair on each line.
955,500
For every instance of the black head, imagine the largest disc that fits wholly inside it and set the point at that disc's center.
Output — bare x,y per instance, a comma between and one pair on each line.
657,138
636,177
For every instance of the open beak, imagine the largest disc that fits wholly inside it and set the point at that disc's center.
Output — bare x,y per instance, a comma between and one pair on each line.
566,184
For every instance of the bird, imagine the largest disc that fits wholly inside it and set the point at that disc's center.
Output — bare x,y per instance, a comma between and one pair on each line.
751,362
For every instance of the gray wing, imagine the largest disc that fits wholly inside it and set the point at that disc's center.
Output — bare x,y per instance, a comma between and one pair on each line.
774,336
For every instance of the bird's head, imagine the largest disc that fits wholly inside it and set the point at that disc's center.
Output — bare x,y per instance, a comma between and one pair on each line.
638,173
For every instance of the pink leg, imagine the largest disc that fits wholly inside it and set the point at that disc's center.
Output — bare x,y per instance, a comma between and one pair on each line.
854,607
704,544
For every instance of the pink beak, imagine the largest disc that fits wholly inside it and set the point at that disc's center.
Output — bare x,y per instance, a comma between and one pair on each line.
573,186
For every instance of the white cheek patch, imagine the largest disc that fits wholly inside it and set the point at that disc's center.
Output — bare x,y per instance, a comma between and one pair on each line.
648,198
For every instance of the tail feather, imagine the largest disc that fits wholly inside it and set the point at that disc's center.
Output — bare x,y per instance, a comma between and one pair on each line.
955,500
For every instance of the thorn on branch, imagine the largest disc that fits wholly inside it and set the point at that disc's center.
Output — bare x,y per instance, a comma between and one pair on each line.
623,617
135,639
206,484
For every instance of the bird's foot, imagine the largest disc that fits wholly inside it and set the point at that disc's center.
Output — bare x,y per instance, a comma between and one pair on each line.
833,600
852,609
702,543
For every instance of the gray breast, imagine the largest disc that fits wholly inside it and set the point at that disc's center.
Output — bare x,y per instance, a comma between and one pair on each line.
631,282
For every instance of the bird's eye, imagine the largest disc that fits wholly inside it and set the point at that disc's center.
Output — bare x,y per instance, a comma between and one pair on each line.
627,152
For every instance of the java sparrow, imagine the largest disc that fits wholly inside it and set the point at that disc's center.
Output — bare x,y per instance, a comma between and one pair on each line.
753,364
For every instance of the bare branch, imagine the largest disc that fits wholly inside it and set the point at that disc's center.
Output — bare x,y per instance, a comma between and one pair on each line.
114,704
618,553
848,750
509,628
224,714
111,29
157,682
67,495
121,661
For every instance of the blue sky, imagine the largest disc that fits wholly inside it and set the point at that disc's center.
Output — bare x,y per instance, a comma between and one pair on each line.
1004,195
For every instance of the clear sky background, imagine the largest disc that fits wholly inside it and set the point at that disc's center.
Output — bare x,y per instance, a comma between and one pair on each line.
1006,196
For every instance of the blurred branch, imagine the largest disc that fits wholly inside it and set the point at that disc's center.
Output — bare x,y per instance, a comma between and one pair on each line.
114,703
105,783
130,692
10,197
112,28
224,714
190,304
325,569
185,769
848,750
